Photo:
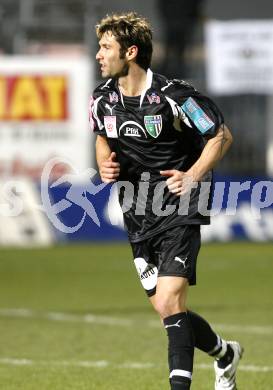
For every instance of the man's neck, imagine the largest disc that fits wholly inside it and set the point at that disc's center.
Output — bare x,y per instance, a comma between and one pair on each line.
134,83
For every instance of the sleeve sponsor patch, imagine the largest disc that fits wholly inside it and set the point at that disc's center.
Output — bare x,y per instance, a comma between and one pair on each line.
197,115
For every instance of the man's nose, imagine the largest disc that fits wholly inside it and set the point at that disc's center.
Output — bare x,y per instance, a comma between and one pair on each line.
98,55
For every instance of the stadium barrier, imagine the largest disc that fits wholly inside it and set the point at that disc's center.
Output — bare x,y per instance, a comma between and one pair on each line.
88,210
242,210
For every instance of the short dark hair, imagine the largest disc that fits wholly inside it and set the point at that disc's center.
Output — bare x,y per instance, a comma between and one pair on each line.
129,29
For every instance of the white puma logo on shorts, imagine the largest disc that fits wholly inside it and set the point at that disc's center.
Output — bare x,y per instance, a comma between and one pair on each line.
183,261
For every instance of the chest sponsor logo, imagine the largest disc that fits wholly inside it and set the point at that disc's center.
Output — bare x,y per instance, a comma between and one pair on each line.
132,132
132,129
153,124
110,124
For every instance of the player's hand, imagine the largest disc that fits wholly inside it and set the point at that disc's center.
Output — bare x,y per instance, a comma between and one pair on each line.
110,169
178,182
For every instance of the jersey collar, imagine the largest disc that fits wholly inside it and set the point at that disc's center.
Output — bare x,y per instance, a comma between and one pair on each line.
149,80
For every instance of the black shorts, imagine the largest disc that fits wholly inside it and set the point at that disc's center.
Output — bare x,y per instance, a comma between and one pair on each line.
171,253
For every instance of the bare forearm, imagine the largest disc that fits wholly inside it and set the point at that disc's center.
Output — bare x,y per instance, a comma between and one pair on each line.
103,151
212,153
108,167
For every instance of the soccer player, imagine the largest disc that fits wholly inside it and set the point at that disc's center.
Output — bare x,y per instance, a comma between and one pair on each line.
162,138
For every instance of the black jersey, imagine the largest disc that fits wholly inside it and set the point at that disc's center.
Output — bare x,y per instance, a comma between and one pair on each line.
163,128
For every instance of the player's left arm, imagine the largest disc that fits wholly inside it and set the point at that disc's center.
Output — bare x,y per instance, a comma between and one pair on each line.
214,150
216,147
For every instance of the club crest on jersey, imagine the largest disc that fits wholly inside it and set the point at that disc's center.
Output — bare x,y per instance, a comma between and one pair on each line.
113,97
110,124
153,98
153,124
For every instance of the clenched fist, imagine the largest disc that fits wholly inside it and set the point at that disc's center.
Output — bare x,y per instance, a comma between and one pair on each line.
110,169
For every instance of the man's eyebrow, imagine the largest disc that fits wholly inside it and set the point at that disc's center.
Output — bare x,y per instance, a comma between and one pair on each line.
104,43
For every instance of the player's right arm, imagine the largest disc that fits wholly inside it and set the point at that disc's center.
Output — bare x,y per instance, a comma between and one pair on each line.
109,168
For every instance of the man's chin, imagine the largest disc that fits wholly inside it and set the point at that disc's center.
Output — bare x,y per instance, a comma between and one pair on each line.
105,75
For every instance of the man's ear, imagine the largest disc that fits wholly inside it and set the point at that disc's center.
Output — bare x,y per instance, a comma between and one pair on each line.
132,52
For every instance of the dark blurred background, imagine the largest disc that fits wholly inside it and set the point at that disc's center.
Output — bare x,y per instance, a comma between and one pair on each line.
225,49
39,26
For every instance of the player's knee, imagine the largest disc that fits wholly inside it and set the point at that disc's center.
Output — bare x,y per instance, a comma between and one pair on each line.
167,305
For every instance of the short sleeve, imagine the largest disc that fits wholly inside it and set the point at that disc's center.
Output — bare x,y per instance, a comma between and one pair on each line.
203,114
95,122
196,110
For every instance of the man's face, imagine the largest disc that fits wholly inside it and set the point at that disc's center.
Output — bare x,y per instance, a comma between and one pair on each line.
109,59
